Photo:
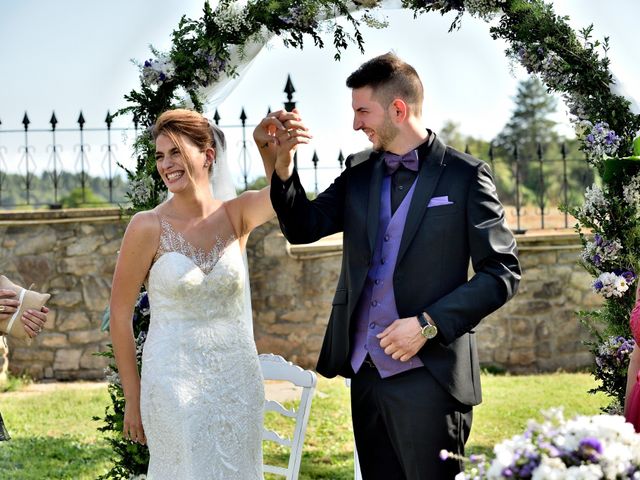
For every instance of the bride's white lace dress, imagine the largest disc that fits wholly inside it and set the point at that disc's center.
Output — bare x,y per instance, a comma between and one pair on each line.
202,390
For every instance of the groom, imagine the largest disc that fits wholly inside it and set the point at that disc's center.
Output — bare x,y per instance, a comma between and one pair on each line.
413,213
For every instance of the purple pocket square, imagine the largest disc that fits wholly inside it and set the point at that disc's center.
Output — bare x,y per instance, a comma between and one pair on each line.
439,201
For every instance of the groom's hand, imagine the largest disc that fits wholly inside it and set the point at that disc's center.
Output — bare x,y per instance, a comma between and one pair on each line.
402,339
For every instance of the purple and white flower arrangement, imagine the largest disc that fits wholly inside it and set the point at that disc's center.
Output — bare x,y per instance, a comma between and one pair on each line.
595,202
612,356
157,71
631,193
584,447
614,284
600,142
602,251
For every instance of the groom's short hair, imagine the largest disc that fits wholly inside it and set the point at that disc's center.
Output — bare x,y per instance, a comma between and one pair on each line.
390,77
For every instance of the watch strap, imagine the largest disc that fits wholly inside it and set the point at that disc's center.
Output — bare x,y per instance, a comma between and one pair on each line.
422,319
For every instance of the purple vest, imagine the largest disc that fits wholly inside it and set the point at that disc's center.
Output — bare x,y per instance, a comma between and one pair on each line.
376,308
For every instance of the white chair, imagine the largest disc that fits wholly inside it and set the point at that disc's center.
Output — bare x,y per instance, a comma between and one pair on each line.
274,367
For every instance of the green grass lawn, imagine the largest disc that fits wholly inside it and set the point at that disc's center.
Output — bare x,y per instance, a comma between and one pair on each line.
55,438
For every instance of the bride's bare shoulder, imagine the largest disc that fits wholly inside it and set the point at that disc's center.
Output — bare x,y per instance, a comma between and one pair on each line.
144,223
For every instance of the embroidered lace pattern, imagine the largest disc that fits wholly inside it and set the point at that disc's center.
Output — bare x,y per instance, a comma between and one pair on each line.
202,392
173,241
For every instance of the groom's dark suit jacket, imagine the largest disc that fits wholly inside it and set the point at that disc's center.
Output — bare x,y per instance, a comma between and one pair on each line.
431,272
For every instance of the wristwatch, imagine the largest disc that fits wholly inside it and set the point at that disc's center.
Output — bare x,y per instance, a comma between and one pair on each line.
429,330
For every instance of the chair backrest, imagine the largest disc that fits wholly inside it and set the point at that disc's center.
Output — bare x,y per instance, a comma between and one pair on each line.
274,367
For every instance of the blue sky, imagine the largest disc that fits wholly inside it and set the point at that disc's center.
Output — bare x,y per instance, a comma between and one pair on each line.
73,54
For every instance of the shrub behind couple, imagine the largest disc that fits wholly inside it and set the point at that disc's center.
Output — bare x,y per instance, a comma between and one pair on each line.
414,213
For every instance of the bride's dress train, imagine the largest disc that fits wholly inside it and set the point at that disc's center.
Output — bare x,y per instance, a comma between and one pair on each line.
202,391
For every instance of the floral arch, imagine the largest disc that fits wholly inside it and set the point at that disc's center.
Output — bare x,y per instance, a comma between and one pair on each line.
209,52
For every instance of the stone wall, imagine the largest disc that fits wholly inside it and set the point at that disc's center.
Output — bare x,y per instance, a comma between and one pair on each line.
71,254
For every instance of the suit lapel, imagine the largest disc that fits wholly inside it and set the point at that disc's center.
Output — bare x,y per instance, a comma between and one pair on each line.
428,176
373,205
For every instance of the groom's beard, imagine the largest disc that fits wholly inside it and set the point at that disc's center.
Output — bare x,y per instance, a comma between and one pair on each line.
386,134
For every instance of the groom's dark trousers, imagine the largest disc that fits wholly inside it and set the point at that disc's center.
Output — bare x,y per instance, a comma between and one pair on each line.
402,421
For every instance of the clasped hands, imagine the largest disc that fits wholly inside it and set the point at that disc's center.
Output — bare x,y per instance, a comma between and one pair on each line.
402,339
281,132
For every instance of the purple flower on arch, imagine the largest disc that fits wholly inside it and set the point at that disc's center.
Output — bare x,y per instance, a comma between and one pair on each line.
597,239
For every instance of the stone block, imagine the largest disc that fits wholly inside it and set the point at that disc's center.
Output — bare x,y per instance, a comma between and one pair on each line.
73,320
34,269
502,354
110,248
81,265
84,245
274,245
580,279
26,355
279,346
63,282
52,339
33,370
114,230
280,329
90,360
51,320
535,274
522,357
296,316
265,318
543,350
569,257
65,299
96,292
86,229
67,359
549,289
281,301
87,336
34,242
521,326
533,307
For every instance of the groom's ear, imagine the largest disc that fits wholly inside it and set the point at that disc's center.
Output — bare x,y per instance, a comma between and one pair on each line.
398,110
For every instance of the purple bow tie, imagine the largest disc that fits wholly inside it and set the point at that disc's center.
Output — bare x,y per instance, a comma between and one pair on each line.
409,160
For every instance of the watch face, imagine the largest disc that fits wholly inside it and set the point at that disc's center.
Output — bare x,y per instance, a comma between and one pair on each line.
429,331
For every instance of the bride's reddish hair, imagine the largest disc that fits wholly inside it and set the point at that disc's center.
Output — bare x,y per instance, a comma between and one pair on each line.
181,122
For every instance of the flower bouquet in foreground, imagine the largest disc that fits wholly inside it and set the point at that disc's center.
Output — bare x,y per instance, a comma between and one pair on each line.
583,448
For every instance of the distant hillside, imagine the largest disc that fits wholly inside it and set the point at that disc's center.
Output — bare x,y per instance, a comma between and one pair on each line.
41,192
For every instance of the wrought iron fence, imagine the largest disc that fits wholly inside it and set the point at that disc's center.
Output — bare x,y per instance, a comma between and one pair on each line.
36,171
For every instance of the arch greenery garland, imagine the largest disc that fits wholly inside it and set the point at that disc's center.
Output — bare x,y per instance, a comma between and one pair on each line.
571,64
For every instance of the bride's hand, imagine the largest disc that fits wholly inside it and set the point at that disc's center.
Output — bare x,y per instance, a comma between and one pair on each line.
132,429
265,132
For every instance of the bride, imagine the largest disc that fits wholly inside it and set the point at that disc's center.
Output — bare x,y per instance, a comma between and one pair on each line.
198,401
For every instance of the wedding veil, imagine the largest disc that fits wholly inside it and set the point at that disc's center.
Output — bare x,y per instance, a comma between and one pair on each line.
223,188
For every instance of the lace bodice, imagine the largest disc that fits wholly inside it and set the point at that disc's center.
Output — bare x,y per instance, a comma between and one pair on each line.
201,388
173,241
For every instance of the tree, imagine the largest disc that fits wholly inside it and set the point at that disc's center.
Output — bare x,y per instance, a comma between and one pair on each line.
532,132
76,198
